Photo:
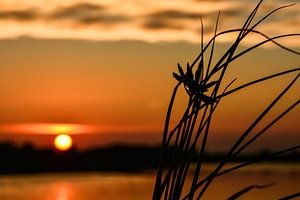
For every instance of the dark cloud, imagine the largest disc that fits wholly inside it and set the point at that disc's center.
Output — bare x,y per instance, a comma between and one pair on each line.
78,11
169,19
106,19
160,24
174,14
209,0
87,14
23,15
232,12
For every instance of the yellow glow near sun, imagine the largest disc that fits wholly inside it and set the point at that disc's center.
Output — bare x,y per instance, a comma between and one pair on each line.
63,142
63,128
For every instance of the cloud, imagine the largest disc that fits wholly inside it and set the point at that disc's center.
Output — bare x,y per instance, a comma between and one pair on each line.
84,13
154,24
78,11
231,13
143,20
87,14
19,15
209,0
175,14
171,19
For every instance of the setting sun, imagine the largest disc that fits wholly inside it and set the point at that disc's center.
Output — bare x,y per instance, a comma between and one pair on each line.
63,142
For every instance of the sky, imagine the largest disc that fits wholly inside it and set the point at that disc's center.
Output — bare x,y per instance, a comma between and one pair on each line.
102,70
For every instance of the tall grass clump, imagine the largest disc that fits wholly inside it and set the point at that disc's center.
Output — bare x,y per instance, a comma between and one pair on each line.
202,81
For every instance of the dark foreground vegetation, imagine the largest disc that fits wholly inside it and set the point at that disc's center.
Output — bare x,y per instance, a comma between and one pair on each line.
28,159
203,84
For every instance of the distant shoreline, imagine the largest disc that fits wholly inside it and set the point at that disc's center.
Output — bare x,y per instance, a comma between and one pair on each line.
117,158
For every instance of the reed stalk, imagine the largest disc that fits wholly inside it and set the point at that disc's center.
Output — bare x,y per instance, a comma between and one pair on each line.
202,81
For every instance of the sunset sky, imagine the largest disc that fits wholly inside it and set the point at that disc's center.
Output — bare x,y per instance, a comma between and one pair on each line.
102,70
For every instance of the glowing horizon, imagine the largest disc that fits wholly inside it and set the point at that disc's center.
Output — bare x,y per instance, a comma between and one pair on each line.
75,129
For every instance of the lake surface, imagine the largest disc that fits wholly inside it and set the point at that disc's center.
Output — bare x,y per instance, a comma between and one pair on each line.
124,186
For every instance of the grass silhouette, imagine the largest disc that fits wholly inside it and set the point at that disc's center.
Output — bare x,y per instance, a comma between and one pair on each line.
202,82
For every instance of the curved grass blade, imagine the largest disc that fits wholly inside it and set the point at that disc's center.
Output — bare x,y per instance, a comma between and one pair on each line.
244,135
270,13
256,136
178,170
213,45
248,189
257,81
232,169
291,196
256,46
157,187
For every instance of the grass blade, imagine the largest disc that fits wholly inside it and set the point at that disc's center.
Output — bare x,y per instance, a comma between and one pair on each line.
291,196
248,189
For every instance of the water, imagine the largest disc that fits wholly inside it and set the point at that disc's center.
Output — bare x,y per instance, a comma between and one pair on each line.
124,186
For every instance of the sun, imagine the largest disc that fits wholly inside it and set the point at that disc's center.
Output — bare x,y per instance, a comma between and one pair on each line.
63,142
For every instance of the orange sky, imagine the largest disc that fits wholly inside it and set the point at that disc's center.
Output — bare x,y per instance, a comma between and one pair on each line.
95,78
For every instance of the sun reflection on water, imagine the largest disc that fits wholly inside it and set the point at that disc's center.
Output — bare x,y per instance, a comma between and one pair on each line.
62,194
115,186
61,191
